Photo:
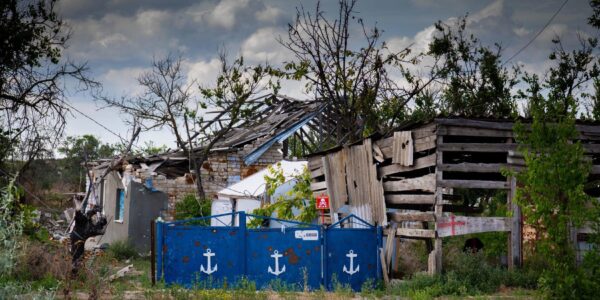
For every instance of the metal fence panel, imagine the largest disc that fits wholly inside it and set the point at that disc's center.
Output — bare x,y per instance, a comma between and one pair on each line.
352,256
290,257
307,256
202,256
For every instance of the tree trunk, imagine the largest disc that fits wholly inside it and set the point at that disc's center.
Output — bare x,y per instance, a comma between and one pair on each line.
197,164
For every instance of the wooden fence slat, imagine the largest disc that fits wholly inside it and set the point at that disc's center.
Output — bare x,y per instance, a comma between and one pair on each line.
473,184
478,147
410,199
473,167
420,163
424,183
411,216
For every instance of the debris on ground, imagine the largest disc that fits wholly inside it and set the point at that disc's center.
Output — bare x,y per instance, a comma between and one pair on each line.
128,270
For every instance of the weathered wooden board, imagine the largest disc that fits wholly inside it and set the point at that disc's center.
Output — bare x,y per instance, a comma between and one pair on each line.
411,216
473,184
410,199
459,225
403,148
425,143
334,167
473,167
421,144
314,163
470,131
416,233
424,131
316,173
317,186
478,147
476,123
424,183
420,163
376,199
377,154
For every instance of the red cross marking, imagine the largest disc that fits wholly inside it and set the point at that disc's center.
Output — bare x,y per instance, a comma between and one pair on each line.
452,224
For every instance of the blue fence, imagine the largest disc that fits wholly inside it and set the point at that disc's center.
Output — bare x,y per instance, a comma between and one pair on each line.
298,255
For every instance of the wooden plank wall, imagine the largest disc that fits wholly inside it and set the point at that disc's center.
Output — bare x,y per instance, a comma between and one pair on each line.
409,190
349,176
447,154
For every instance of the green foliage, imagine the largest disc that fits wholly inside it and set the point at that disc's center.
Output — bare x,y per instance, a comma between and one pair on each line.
122,250
299,197
189,207
552,194
469,274
150,148
475,81
76,151
553,199
594,19
12,222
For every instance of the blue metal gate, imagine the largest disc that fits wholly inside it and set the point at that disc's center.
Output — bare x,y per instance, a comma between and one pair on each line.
297,255
352,253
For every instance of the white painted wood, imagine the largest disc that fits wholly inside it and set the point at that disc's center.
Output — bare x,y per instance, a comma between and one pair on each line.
451,225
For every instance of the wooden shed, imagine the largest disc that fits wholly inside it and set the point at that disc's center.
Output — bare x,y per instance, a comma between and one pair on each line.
412,174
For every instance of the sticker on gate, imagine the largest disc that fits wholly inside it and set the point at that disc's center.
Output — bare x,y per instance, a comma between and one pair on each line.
307,235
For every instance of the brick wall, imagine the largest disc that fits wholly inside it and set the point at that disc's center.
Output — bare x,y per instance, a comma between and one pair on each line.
219,171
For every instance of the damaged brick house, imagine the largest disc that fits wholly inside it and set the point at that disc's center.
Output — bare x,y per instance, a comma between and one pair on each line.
143,188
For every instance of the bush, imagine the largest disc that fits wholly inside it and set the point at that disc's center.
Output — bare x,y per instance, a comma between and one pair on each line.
40,261
189,207
468,274
122,250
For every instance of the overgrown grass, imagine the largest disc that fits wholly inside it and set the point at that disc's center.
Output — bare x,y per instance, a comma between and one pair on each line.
122,250
470,275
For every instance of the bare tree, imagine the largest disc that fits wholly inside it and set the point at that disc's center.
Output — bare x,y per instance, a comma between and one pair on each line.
168,101
352,76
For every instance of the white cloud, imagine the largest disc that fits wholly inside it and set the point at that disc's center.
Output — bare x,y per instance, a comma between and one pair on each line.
521,31
551,32
203,72
152,22
269,14
123,82
224,14
263,46
419,43
496,9
112,40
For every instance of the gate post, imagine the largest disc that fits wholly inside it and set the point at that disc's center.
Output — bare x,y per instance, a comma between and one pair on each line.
159,246
379,231
323,254
243,231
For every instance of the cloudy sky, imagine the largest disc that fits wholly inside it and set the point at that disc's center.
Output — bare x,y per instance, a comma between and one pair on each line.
119,38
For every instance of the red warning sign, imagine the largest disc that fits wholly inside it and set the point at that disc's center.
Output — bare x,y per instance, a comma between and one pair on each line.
323,202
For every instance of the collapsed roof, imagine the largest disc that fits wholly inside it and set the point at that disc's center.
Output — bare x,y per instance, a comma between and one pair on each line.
281,117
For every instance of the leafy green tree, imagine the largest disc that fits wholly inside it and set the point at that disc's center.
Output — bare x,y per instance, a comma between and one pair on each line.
150,148
190,207
474,80
552,194
78,150
595,114
33,76
594,19
300,197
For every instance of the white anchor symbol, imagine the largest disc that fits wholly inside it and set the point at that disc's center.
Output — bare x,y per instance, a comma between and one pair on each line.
208,270
351,255
276,256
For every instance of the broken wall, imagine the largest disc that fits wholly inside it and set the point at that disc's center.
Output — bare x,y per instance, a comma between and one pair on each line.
222,169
